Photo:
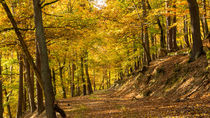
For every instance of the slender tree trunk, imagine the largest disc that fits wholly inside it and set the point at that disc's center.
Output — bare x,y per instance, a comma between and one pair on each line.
40,104
45,71
204,19
54,82
1,93
72,81
145,35
162,36
1,98
24,92
29,86
20,92
89,85
197,48
169,30
62,83
174,30
8,105
94,79
82,77
109,84
186,31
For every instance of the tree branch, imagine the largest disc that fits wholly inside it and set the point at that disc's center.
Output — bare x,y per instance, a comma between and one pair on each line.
49,3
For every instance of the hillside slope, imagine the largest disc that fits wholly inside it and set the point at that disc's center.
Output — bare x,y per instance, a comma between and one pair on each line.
169,77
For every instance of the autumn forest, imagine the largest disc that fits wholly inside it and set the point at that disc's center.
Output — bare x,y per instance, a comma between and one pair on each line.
65,49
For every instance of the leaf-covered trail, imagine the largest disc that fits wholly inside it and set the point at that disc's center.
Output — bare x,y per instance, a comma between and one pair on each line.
104,105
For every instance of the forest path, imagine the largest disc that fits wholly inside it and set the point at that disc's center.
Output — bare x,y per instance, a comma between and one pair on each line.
103,104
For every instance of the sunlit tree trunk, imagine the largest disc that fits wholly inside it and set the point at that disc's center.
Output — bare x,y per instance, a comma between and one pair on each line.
197,48
20,92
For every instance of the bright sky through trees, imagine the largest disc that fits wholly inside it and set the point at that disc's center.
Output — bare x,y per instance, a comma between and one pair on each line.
100,3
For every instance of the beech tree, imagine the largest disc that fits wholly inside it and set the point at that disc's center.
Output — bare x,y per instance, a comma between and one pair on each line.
45,71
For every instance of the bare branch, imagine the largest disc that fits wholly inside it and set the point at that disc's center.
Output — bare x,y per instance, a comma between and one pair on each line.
49,3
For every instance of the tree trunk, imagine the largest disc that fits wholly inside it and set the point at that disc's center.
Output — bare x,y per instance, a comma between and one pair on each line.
1,98
197,48
162,36
174,30
1,93
24,92
45,71
62,83
20,92
205,24
8,106
169,30
90,90
145,34
54,82
94,79
186,31
40,104
72,81
29,86
82,77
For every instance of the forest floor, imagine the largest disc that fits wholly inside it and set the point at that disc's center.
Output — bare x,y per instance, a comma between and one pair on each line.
104,105
170,87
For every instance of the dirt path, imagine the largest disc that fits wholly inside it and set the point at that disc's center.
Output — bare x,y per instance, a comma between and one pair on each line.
104,105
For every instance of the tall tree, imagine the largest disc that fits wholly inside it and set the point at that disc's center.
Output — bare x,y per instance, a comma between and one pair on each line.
197,48
45,71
